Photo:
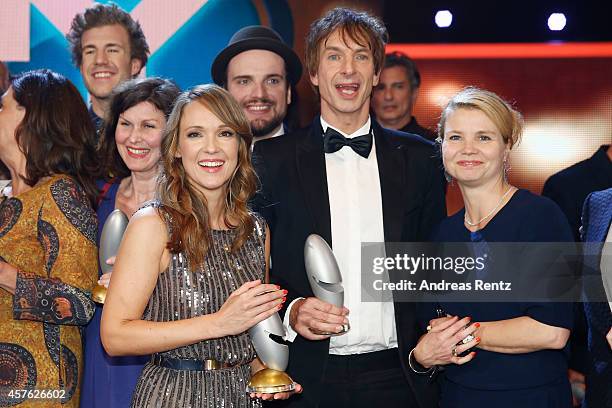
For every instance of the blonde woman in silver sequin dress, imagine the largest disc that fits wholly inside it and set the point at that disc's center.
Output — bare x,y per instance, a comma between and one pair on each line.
189,279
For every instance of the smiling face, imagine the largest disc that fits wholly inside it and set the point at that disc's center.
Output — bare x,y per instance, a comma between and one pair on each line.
11,115
139,135
393,98
208,149
473,149
345,77
106,61
258,81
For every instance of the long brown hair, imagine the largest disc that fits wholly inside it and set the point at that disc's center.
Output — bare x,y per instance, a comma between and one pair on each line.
56,134
182,203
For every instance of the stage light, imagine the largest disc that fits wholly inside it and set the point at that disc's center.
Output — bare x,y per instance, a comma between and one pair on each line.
556,21
444,18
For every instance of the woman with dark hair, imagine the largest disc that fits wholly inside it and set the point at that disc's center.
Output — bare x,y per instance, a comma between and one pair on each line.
190,272
130,148
48,255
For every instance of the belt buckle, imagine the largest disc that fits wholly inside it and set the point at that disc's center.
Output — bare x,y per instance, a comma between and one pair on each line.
209,365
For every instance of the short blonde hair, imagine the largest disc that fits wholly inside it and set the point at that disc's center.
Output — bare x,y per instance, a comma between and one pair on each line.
508,120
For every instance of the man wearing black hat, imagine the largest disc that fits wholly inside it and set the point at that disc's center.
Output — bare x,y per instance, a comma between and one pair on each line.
259,69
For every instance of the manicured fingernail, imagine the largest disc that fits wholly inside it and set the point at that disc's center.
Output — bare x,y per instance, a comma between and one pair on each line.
473,354
285,291
477,325
478,339
284,299
278,287
280,306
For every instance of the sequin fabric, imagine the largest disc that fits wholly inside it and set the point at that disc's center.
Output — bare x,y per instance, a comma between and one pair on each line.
183,292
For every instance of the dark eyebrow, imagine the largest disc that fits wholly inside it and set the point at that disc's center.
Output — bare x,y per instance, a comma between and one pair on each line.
105,45
242,77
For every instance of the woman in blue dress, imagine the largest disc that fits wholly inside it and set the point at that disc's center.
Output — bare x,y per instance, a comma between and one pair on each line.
520,356
131,150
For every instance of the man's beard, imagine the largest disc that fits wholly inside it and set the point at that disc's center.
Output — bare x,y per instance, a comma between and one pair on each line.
261,127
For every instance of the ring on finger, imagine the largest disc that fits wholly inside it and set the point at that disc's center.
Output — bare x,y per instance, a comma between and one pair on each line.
428,328
454,352
467,339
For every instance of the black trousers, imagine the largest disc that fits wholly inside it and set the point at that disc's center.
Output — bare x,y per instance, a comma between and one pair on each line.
366,380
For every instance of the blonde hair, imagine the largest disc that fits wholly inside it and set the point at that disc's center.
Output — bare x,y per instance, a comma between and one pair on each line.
508,120
185,206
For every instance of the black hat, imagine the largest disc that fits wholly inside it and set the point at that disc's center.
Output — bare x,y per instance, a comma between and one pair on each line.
256,38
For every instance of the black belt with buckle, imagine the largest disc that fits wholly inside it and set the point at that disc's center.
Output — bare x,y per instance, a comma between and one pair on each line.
188,364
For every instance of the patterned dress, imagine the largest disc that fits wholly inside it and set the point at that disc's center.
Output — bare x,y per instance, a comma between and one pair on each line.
183,292
49,234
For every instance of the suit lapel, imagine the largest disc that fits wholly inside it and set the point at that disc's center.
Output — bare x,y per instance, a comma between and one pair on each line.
313,178
391,171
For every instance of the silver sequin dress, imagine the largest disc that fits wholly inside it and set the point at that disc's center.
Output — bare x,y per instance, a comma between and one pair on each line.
182,293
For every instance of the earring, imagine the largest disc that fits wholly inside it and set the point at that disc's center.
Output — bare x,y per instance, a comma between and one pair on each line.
506,169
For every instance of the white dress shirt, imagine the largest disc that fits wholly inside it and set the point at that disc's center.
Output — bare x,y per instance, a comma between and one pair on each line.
355,202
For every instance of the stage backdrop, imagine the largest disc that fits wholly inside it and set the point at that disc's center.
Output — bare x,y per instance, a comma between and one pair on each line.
563,90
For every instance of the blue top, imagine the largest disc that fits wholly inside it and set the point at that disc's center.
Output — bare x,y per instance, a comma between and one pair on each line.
107,381
525,218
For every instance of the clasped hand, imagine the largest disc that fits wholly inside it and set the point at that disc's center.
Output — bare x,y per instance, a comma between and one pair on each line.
441,345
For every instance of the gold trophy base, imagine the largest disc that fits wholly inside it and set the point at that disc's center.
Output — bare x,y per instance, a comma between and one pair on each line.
98,294
269,381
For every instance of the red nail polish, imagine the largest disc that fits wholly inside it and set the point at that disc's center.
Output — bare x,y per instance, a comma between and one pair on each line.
478,339
477,325
285,291
284,299
473,354
280,306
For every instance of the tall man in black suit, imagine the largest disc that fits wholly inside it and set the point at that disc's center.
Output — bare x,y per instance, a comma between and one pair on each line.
350,181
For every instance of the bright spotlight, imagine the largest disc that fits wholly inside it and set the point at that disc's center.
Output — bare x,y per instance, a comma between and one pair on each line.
444,18
556,21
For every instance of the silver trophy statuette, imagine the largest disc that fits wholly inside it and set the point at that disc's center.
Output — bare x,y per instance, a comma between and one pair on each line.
323,273
274,355
110,239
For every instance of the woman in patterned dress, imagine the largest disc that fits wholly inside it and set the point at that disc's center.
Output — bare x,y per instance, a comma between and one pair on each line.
189,277
48,255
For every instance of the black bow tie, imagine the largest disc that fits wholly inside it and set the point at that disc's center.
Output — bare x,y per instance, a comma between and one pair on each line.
334,141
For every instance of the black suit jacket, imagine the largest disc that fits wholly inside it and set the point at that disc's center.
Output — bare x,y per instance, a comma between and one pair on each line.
294,200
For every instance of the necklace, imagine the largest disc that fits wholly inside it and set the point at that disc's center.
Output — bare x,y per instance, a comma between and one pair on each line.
501,200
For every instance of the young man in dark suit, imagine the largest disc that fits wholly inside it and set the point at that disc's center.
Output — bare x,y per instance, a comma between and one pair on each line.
350,181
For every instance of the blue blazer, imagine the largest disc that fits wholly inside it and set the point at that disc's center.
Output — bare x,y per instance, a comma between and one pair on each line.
596,220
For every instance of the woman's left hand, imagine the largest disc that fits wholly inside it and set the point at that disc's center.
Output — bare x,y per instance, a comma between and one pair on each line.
278,395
